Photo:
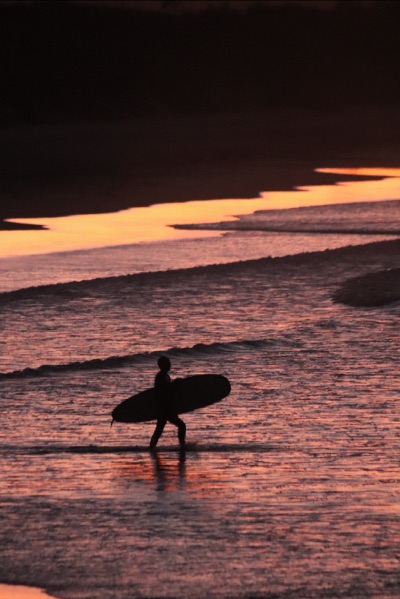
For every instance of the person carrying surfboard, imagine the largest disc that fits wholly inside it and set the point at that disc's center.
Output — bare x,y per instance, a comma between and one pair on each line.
163,387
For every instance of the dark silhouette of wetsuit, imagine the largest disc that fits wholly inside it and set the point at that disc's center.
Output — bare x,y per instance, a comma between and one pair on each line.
162,385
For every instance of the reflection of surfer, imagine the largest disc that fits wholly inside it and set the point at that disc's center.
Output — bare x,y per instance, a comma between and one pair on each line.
168,475
162,385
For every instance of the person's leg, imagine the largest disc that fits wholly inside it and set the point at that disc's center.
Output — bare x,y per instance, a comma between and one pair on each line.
157,432
181,429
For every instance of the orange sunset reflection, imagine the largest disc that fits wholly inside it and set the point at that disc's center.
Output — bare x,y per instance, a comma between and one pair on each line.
154,223
9,591
135,225
387,188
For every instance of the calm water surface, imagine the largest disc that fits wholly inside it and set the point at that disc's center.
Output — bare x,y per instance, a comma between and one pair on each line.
289,487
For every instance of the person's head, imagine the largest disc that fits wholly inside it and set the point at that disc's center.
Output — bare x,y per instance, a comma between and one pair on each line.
164,363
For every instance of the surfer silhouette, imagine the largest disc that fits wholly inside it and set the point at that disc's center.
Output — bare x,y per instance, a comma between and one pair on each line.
163,387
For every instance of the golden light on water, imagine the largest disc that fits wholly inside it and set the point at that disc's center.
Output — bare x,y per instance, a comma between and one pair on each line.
8,591
343,192
153,223
135,225
362,171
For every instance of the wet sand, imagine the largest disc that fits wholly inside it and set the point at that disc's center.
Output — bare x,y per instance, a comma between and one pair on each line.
81,168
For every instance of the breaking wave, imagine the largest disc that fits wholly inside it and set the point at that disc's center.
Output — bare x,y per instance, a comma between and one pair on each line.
104,285
118,361
370,290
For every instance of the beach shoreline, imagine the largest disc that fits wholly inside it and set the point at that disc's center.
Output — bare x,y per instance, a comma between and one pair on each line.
82,168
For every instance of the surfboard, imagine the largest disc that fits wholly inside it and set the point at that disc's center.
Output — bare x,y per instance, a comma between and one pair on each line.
187,394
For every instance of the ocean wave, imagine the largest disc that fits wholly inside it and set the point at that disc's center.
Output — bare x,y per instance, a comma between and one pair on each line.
370,290
111,362
103,285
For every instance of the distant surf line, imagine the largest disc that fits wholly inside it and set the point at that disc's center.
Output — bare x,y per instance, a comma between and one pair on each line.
111,362
294,230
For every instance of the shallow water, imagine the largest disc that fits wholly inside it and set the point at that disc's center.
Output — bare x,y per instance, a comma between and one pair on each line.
289,487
